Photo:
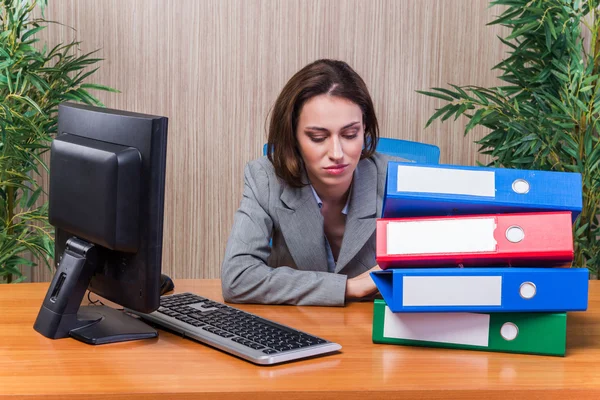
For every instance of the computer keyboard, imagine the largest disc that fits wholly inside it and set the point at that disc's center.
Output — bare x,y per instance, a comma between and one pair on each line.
234,331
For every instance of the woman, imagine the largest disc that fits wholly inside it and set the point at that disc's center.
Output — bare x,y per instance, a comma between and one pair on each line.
316,197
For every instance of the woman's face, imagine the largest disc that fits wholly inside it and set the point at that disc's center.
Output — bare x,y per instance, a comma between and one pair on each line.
330,136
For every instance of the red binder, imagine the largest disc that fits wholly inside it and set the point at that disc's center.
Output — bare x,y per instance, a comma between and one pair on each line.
525,239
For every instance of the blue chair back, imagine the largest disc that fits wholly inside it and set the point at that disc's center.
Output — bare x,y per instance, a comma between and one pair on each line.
421,153
417,152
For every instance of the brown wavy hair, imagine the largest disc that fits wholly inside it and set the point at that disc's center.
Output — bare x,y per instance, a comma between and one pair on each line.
335,78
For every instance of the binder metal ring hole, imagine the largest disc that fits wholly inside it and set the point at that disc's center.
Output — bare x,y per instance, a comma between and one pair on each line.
515,234
509,331
520,186
527,290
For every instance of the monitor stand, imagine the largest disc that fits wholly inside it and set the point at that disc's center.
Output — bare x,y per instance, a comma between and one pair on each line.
61,314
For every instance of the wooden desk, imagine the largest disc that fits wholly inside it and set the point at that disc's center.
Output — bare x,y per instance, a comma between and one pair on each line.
171,367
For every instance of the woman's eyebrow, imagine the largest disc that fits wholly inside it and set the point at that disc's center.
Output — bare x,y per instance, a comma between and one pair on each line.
321,129
316,128
351,124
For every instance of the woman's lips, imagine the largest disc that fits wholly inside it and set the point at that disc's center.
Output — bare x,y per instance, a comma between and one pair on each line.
336,169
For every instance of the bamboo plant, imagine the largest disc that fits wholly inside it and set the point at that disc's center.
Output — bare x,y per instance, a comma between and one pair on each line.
33,81
546,114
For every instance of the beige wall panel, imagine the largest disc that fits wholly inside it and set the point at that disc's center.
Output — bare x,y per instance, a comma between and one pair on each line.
215,68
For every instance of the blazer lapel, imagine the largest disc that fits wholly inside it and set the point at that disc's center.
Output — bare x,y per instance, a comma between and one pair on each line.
302,228
362,213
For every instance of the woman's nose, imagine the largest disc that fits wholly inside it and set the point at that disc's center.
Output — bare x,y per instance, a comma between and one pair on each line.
336,151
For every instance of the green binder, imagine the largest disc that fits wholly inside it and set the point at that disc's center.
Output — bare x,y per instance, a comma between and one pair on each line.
529,333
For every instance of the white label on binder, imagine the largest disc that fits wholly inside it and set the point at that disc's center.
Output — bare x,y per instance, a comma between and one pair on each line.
446,180
441,236
451,290
456,328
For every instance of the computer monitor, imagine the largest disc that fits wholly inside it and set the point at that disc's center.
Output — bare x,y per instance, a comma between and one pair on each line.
107,184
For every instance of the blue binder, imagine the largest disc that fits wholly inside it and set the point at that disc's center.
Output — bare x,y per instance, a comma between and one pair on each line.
484,289
428,189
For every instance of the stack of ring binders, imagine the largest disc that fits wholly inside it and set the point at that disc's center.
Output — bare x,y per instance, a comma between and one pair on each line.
478,258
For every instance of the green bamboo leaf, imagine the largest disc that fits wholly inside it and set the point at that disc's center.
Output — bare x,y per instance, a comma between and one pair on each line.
523,29
475,120
32,32
450,110
579,104
24,196
5,35
581,229
590,79
11,269
565,125
40,161
436,115
34,198
87,98
495,96
6,64
83,75
437,95
8,78
460,110
561,76
506,16
524,160
507,43
548,35
551,27
39,83
31,102
462,93
558,104
17,261
448,92
99,87
481,97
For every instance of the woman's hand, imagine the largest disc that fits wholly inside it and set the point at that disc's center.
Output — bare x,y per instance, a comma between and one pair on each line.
361,285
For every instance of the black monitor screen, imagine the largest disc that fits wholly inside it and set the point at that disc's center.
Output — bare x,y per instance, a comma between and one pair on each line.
106,197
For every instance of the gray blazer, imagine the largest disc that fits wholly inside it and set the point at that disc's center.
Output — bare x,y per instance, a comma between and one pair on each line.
293,270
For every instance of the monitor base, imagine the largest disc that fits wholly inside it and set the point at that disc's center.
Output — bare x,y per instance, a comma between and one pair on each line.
110,326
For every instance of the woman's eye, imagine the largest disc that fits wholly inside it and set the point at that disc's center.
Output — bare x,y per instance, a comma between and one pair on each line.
317,139
351,135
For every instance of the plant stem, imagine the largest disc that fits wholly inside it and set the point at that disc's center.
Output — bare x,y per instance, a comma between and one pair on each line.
596,44
10,201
